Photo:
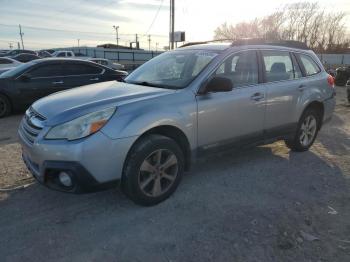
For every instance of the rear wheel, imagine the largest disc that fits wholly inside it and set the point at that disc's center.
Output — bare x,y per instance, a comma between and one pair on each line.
5,106
308,127
153,170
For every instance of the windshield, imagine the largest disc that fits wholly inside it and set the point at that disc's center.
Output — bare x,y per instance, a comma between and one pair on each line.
174,70
17,70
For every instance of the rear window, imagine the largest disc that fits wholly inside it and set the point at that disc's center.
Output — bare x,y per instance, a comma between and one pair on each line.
311,68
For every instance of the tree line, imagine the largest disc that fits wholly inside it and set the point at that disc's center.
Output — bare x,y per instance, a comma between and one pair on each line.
322,31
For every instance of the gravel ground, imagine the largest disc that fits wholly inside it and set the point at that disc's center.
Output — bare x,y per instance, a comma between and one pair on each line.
262,204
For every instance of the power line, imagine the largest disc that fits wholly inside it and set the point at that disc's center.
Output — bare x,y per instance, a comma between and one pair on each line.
72,31
155,17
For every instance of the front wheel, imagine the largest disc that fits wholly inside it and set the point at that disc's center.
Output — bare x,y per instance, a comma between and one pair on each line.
307,130
5,106
153,170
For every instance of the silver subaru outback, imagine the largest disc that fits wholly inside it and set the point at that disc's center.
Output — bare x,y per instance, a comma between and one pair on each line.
199,99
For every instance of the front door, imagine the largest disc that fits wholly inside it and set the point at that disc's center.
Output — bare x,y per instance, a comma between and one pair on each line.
235,117
41,81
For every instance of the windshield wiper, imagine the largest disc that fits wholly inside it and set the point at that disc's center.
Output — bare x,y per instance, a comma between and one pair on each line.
145,83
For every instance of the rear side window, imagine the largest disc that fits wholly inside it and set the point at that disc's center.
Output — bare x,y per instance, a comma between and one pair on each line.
69,54
61,55
278,66
311,68
81,69
240,68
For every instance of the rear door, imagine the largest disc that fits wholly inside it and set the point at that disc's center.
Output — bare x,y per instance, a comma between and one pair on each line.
79,74
282,77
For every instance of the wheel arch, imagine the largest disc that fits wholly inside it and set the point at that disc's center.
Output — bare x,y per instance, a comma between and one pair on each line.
175,134
315,105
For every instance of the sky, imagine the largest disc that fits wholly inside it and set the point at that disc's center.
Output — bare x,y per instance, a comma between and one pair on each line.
50,24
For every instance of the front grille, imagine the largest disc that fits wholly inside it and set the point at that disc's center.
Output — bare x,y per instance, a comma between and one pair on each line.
31,125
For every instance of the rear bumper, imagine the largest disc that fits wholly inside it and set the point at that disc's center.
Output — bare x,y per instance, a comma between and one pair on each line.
329,105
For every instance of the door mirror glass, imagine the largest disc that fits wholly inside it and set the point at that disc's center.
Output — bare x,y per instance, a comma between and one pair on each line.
219,84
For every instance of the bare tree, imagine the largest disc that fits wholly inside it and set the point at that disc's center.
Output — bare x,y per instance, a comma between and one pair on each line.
302,21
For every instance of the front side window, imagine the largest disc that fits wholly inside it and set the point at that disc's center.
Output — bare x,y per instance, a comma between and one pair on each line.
4,61
174,70
241,69
61,55
69,54
46,71
278,66
310,66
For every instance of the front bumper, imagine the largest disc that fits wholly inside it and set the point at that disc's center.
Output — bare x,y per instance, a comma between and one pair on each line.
94,163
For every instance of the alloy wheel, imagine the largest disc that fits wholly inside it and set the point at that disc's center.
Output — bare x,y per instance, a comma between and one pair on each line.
158,172
308,130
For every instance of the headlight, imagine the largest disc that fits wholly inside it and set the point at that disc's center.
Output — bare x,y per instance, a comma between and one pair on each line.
81,126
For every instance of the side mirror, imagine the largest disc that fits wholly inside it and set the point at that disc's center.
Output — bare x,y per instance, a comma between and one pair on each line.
25,77
218,84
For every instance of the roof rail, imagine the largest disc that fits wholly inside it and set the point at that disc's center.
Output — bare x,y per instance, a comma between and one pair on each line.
205,42
261,41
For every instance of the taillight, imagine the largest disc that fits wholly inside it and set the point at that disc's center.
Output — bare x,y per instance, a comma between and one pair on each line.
330,80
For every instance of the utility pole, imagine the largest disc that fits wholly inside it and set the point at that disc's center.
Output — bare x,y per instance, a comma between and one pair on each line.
78,43
172,23
21,35
157,46
18,45
10,46
149,42
137,41
116,34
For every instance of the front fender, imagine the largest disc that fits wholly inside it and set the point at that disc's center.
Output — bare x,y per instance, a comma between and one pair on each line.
135,122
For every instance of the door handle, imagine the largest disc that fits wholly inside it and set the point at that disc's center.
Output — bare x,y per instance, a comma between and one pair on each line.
257,97
94,79
58,82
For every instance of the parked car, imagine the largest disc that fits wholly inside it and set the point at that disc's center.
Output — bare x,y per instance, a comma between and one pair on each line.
28,82
44,54
24,58
7,63
68,54
342,75
174,108
107,62
12,53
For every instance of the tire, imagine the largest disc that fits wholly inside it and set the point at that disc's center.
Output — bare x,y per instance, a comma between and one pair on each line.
153,170
305,135
5,106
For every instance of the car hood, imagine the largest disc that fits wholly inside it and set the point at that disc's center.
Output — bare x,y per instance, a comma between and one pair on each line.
66,105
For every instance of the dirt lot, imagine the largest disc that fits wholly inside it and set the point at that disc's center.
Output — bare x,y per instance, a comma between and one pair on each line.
263,204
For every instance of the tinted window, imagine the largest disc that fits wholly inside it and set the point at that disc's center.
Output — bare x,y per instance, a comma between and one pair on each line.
310,66
61,55
4,61
241,69
69,54
81,69
46,71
